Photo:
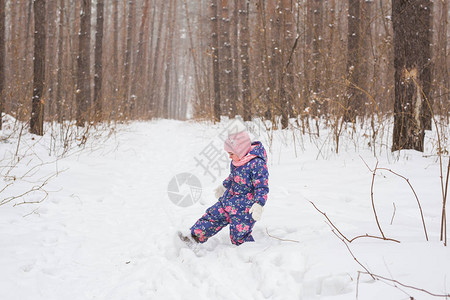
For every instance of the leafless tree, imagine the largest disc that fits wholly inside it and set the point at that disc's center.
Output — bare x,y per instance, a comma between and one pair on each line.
98,65
83,93
37,112
2,58
412,50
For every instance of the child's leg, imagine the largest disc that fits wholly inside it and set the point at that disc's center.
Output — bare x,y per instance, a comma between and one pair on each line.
210,223
241,228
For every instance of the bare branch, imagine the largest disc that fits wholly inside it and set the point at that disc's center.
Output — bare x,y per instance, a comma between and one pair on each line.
379,277
283,240
331,224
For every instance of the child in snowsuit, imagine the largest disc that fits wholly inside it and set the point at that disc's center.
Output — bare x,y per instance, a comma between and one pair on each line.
244,193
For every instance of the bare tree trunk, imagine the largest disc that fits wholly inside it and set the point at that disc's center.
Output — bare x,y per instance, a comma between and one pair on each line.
317,46
51,50
245,58
265,108
127,63
353,60
287,87
37,110
150,76
227,65
366,55
169,59
192,51
83,64
137,85
216,58
2,59
98,65
412,50
115,56
307,57
235,94
154,88
441,67
60,100
274,59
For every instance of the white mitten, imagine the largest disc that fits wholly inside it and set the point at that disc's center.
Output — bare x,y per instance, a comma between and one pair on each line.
256,210
218,192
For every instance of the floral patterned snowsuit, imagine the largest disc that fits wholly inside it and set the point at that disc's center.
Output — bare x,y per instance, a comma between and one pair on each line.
246,185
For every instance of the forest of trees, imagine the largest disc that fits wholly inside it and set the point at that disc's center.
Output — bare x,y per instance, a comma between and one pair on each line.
308,61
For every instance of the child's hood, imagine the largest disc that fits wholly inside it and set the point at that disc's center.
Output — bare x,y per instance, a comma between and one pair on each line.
259,151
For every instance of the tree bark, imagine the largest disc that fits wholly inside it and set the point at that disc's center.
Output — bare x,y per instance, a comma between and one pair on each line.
51,55
154,88
37,110
441,67
215,58
128,58
137,85
60,100
412,56
353,61
227,65
317,47
98,66
83,95
287,86
245,58
2,59
169,59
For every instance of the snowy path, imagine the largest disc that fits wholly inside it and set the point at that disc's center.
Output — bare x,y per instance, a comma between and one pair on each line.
108,229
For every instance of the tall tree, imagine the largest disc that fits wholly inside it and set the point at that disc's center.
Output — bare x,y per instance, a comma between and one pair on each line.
2,58
115,55
317,23
154,87
441,67
215,58
244,38
83,96
192,52
60,100
229,100
353,60
98,68
412,56
51,56
129,105
169,58
287,86
37,109
137,85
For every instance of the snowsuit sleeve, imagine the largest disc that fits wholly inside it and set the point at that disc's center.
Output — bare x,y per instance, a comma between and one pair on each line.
260,180
227,182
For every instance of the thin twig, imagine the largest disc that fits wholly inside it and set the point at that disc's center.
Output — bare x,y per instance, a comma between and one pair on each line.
379,277
415,195
393,214
352,239
351,253
410,185
444,217
373,202
283,240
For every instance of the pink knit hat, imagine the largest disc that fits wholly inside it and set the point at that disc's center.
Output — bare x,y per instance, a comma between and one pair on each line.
238,143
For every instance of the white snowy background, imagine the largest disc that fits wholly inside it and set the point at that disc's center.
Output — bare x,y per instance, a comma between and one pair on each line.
107,229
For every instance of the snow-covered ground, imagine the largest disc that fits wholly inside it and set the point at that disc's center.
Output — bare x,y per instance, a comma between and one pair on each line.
107,229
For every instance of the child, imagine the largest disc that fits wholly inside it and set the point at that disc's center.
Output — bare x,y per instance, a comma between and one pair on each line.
244,193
